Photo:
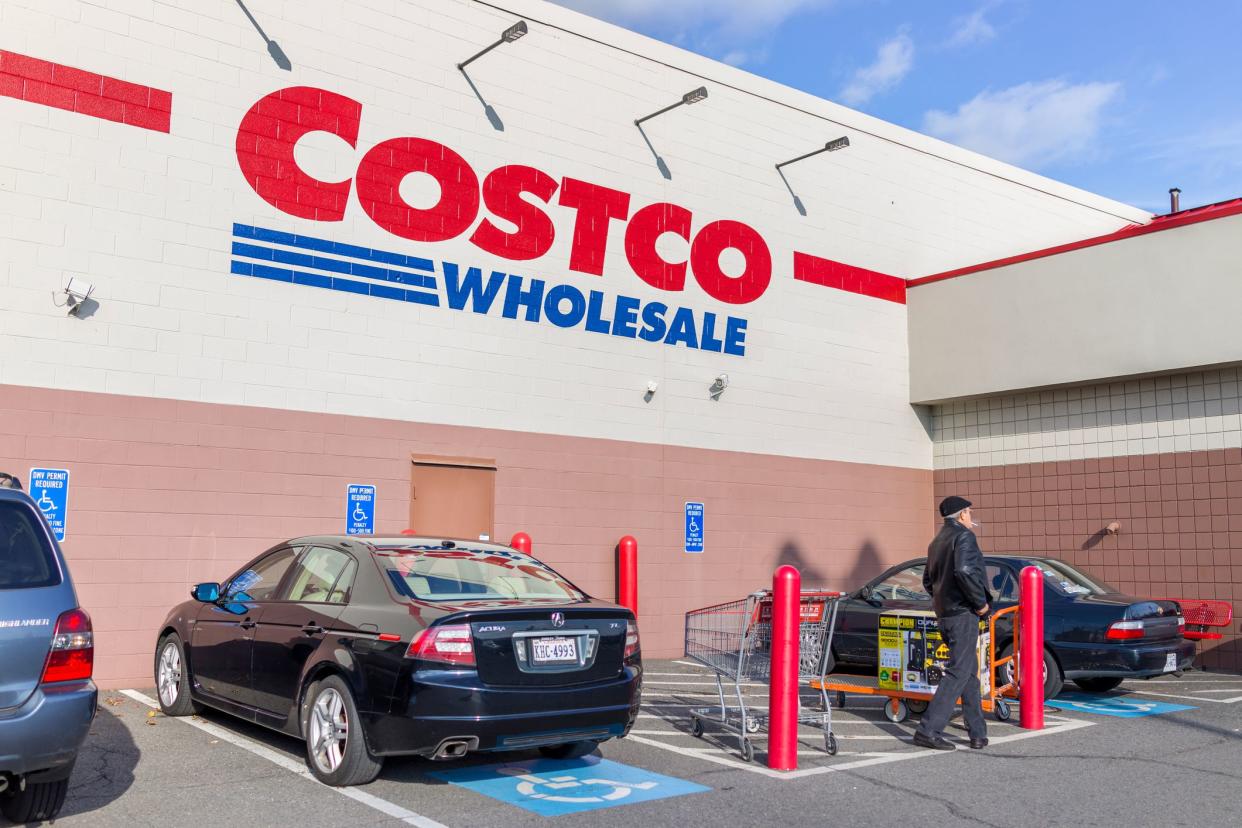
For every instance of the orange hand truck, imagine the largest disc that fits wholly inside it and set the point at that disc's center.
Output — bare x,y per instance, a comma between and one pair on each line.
900,703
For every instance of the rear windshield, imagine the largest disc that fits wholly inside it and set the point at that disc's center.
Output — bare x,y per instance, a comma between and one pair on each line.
1069,580
26,559
473,575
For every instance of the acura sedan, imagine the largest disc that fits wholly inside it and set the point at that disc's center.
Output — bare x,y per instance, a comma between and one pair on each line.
369,647
1093,634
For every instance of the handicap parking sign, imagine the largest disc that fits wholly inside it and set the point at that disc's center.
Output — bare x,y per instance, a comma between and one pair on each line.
553,787
694,527
50,490
359,509
1125,707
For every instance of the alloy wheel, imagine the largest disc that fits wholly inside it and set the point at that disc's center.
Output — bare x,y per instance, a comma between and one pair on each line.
329,730
169,677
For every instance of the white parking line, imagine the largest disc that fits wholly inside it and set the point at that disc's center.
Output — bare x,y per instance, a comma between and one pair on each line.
382,805
1234,700
727,758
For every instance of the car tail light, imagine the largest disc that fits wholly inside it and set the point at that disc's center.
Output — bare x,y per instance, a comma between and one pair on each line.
1181,624
72,657
1125,630
451,644
631,640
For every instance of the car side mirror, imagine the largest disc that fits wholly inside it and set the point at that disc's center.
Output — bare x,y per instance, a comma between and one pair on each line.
208,593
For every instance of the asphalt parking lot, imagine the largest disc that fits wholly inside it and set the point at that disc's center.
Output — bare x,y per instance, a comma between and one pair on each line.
1160,752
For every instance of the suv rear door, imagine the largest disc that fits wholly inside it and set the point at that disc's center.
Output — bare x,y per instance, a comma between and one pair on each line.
33,594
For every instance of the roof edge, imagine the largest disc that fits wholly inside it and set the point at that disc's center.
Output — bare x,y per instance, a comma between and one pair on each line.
1208,212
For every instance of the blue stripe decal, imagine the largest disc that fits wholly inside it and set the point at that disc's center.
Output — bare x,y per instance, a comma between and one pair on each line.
300,277
262,234
254,251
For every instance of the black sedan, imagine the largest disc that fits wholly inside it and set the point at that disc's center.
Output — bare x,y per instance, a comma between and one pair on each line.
368,647
1093,634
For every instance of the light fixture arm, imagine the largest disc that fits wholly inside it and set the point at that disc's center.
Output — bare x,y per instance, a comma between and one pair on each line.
657,112
479,54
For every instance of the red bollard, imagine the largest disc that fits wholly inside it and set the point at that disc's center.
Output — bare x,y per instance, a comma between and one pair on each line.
1031,649
521,542
783,689
627,573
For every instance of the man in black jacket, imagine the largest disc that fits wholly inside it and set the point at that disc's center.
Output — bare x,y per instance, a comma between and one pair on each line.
954,577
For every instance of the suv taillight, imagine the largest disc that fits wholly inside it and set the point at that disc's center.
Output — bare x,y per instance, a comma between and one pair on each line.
1125,630
72,657
1181,624
451,644
631,640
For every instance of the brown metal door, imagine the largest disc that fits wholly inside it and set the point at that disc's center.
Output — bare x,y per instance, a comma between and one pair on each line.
452,497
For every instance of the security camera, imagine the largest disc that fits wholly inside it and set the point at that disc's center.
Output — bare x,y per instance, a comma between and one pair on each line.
652,385
76,292
717,388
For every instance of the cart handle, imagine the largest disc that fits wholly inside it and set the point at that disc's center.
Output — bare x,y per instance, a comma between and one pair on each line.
1010,689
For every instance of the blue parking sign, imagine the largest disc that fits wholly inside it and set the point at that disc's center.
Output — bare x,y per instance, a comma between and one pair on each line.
555,787
359,509
694,527
50,490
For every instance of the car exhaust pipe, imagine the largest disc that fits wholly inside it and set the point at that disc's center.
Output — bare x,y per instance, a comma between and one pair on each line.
455,748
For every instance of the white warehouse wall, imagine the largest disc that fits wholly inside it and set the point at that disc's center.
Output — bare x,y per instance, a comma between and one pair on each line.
148,218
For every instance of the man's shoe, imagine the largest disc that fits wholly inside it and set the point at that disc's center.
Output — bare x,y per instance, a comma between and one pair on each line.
935,744
979,744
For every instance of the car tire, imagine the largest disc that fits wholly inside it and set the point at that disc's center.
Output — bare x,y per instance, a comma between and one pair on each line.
571,750
1098,685
172,678
1054,679
336,748
40,802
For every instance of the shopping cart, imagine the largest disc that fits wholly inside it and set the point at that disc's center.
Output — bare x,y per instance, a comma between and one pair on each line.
734,640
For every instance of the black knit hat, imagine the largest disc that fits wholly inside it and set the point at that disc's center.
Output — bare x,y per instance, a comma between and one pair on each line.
953,504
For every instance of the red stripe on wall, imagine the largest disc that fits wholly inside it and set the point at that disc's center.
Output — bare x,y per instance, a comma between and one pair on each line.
75,90
817,271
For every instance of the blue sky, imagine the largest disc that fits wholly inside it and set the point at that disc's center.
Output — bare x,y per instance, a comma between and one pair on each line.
1125,99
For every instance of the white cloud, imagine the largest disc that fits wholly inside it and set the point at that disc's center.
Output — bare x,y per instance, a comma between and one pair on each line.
893,60
971,29
1030,124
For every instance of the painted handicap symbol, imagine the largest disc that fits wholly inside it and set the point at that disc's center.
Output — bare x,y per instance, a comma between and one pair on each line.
1119,706
530,784
554,787
46,504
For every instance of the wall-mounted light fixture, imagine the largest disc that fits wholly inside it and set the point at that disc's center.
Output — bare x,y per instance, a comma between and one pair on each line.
76,294
718,386
515,32
691,97
832,146
652,385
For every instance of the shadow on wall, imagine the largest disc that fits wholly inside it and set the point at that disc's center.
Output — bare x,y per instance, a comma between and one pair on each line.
791,554
867,565
105,766
1226,657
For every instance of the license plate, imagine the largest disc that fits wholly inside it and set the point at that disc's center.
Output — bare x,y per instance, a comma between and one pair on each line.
554,650
1170,662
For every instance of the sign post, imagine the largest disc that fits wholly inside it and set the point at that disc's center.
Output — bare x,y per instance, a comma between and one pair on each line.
359,509
49,488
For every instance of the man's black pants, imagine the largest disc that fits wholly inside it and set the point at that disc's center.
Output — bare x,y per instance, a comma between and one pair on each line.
961,678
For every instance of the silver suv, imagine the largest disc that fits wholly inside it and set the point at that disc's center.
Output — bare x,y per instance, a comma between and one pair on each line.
47,698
